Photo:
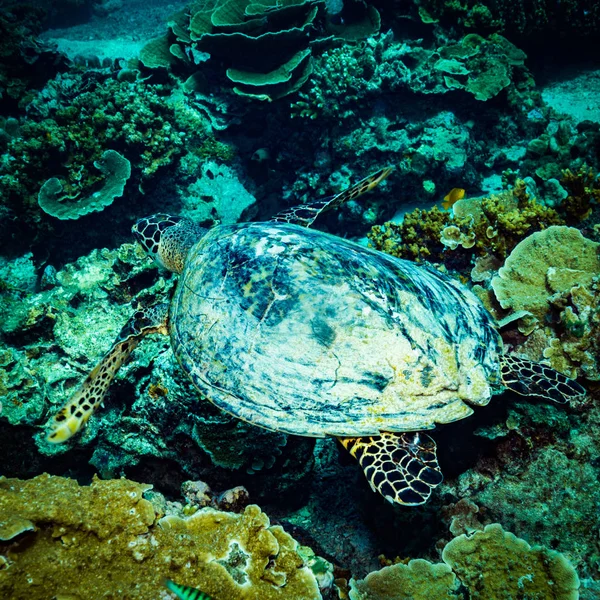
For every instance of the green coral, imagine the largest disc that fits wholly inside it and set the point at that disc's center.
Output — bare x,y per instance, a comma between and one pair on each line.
132,549
552,496
543,20
345,77
116,170
482,67
149,125
265,49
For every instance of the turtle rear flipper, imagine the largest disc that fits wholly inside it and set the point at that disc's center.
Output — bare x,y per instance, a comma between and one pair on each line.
305,214
528,378
75,413
402,467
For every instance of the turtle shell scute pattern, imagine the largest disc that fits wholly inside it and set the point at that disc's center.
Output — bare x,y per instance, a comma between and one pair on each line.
302,332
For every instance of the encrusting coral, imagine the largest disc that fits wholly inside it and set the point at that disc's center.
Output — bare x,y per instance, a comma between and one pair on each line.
496,564
105,540
418,580
551,282
490,564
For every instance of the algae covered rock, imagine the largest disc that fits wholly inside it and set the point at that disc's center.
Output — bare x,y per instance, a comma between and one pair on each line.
110,543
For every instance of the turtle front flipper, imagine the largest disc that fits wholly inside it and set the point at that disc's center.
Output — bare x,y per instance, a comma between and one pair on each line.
305,214
402,467
75,413
528,378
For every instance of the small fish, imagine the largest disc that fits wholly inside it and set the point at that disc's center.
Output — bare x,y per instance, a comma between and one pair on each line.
453,196
183,592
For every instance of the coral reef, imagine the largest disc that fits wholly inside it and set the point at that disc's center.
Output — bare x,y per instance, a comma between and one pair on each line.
130,548
489,564
25,63
551,282
84,134
542,23
264,48
479,226
345,77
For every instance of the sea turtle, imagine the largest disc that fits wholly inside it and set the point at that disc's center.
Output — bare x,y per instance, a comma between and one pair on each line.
299,331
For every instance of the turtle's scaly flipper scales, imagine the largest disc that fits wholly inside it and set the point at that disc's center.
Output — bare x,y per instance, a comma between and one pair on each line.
305,214
528,378
76,412
402,467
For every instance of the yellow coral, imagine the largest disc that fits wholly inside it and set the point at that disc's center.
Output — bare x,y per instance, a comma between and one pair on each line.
496,564
106,541
546,263
488,226
491,564
417,580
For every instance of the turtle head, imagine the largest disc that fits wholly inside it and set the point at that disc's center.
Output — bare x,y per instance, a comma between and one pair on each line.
167,238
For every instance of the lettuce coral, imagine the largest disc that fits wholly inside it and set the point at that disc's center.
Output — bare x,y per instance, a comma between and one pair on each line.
545,263
264,48
110,542
116,170
551,282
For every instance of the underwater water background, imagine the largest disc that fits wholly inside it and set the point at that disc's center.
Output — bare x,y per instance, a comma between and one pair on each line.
232,111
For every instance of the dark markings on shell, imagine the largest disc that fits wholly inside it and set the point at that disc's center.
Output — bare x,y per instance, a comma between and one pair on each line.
305,333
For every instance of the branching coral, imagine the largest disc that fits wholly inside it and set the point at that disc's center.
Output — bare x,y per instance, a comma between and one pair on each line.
583,187
488,226
418,237
111,528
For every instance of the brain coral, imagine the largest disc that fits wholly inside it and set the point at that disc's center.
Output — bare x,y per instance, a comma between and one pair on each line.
79,549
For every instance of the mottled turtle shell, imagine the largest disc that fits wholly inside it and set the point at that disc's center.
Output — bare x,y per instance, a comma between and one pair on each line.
302,332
